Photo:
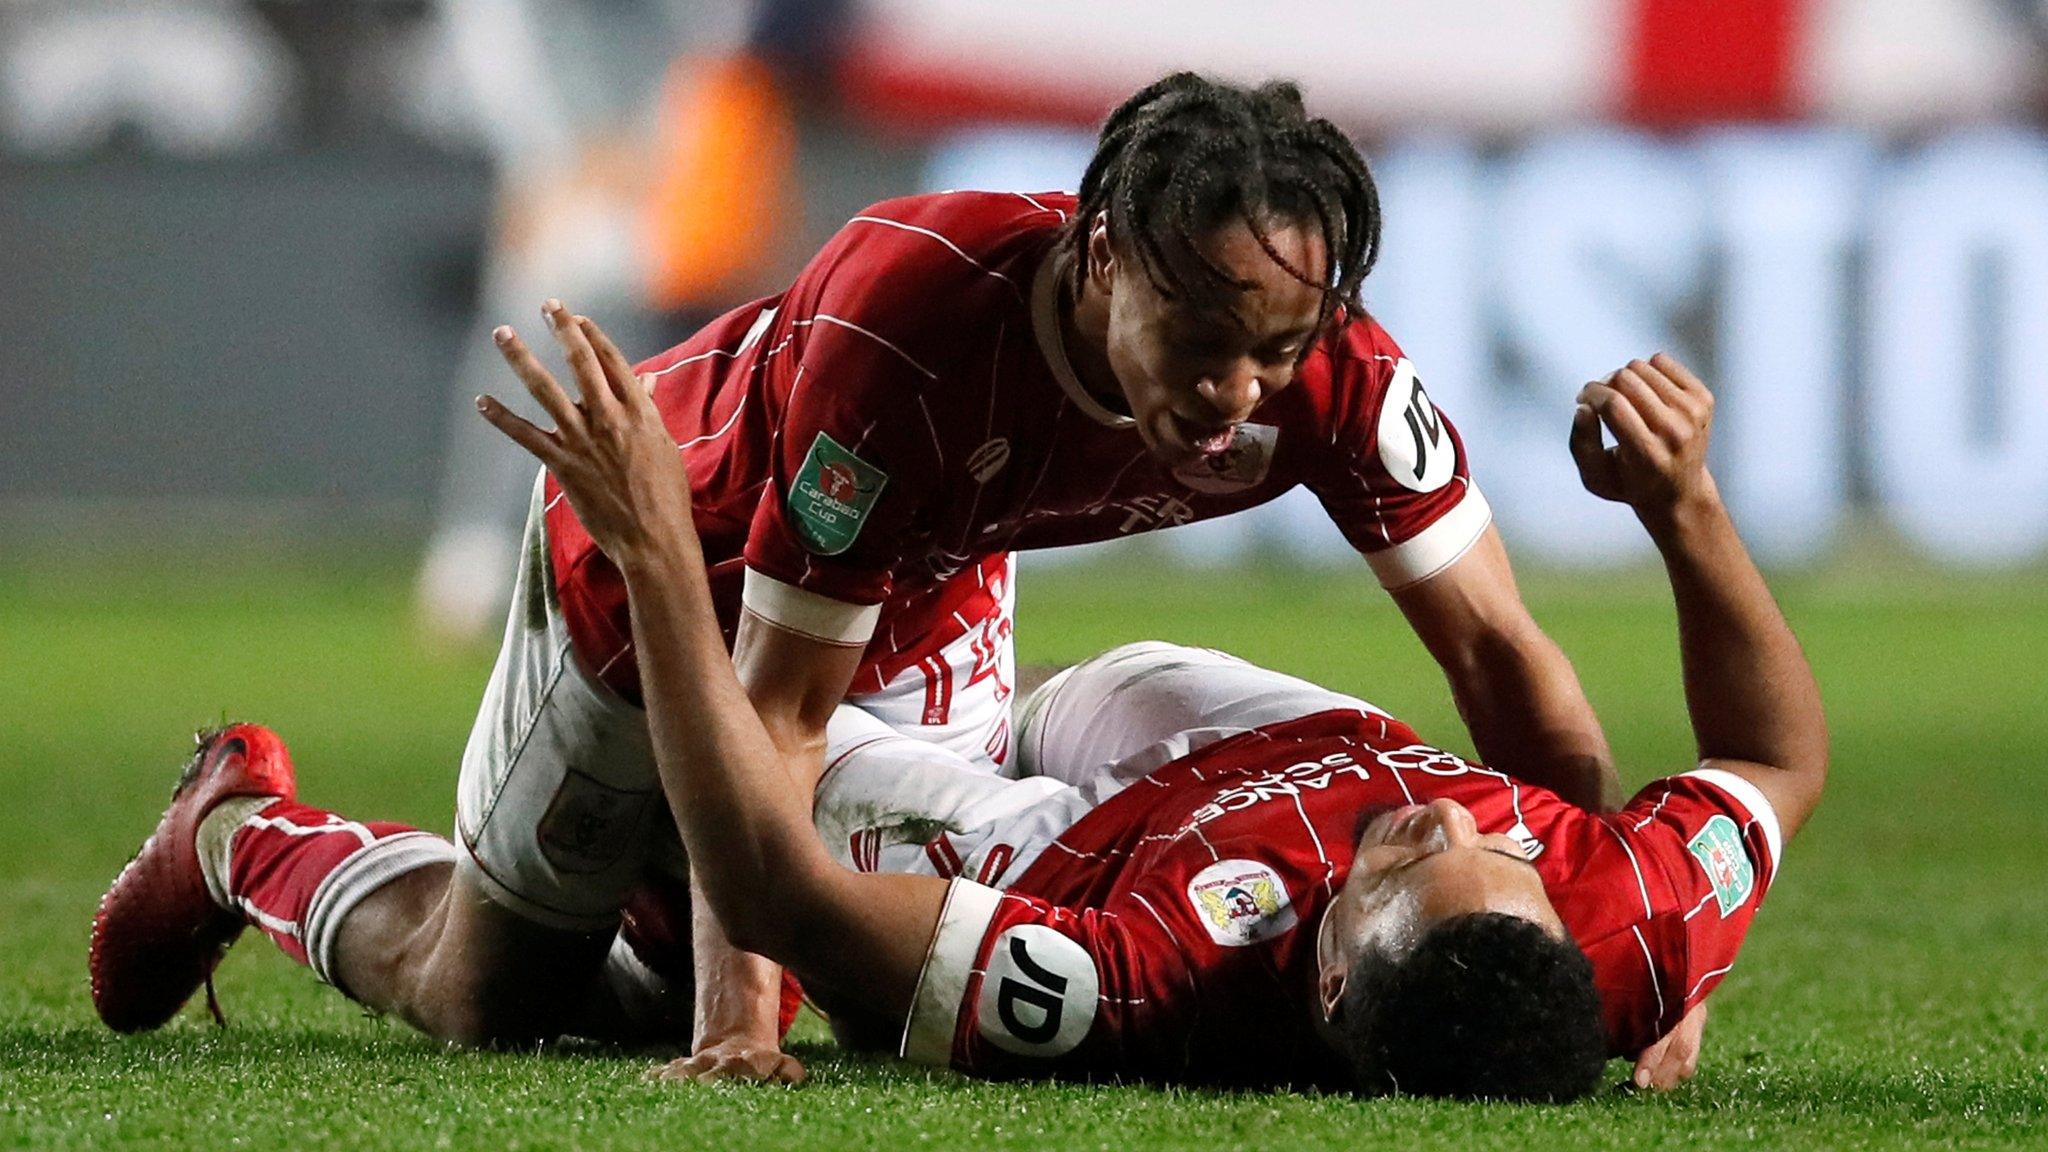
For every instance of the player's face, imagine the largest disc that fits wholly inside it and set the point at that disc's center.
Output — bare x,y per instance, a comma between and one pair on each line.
1415,867
1190,374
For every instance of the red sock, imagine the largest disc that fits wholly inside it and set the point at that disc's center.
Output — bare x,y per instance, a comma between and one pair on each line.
296,872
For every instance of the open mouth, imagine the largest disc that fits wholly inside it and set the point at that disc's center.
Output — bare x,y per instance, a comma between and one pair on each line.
1207,441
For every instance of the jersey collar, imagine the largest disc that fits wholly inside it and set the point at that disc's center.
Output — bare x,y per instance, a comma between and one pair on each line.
1045,323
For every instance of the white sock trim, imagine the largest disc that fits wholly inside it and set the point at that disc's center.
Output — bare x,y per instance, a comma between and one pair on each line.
366,870
215,841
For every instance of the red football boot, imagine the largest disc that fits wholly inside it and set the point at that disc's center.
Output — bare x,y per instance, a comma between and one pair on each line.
158,935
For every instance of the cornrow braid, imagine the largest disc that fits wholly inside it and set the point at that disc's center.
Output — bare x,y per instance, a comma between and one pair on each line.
1187,155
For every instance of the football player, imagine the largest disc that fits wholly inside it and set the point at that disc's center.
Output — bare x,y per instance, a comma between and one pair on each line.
1323,900
952,378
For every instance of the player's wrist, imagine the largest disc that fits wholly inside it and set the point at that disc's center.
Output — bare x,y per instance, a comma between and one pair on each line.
658,555
1691,517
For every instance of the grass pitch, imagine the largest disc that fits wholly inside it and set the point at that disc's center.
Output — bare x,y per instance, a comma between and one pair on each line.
1892,993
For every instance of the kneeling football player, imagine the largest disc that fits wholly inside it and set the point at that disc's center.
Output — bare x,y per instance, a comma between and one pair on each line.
1321,900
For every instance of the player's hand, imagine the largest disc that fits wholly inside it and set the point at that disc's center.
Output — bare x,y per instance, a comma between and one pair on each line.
609,450
747,1061
1659,414
1672,1061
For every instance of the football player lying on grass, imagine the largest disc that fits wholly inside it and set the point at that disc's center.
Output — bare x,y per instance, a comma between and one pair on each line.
1325,900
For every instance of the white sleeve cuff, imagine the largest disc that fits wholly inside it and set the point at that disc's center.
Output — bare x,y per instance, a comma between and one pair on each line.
1753,800
1436,547
806,612
942,985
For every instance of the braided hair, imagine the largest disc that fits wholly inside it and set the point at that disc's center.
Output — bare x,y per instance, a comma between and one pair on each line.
1187,155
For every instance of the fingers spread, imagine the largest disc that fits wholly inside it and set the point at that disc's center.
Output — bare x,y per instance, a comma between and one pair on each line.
618,371
598,399
520,430
539,382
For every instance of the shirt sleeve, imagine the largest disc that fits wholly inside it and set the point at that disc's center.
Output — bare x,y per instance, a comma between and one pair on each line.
855,458
1016,987
1395,479
1715,840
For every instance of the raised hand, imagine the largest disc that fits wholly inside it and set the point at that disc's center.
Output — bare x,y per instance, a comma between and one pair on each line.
610,451
1659,414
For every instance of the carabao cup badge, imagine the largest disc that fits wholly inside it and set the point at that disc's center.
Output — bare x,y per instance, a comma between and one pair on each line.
833,494
1718,848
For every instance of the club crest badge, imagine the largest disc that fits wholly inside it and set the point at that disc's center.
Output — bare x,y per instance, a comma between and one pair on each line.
833,494
589,824
1241,902
1718,848
1236,468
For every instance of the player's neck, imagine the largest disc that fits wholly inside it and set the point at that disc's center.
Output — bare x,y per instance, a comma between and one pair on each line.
1084,329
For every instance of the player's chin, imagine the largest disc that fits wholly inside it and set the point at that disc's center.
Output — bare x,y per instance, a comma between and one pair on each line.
1164,441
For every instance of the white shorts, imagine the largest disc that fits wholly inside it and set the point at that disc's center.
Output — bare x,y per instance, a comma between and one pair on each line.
892,804
1136,707
560,811
960,698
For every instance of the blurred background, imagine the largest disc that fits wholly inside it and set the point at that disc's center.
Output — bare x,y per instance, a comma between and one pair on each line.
251,250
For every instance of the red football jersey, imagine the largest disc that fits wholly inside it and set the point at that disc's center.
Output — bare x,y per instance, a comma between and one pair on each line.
1170,933
883,432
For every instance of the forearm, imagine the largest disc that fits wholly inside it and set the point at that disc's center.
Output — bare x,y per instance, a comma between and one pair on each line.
738,994
1514,689
1748,687
1528,716
744,820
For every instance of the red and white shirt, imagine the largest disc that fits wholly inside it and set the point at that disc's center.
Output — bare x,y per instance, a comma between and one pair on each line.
868,446
1170,933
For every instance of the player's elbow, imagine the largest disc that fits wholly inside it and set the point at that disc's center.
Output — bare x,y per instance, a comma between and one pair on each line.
756,933
769,915
760,921
1804,754
1810,764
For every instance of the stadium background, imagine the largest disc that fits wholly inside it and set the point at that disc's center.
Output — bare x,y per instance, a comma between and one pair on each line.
249,251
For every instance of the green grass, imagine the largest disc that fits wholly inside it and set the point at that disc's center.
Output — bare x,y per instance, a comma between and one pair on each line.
1892,993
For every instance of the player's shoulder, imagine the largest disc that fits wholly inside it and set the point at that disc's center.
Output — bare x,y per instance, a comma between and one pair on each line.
1357,348
1352,368
967,235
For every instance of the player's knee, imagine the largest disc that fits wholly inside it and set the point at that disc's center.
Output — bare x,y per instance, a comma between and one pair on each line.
1136,650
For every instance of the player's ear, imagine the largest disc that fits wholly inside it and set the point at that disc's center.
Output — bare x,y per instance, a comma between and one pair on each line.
1101,253
1330,989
